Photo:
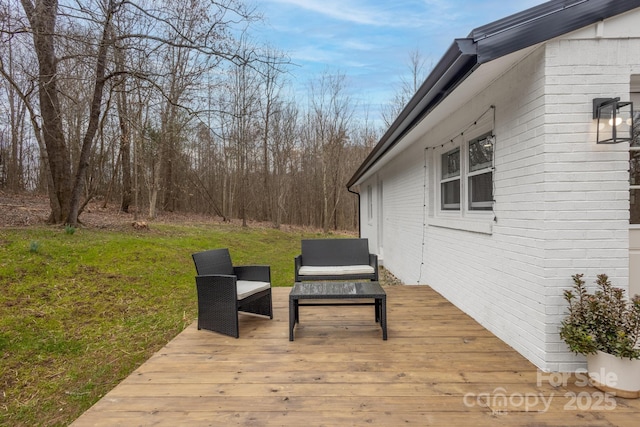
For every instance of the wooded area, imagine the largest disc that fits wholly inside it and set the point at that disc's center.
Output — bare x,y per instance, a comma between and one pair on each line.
170,105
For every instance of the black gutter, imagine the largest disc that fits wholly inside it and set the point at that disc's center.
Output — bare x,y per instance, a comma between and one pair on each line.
484,44
458,62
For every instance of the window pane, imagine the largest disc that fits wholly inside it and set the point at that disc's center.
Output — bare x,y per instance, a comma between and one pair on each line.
634,167
451,164
635,135
481,191
634,217
451,195
480,153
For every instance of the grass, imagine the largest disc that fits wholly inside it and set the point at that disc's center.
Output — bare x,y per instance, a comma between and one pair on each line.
79,311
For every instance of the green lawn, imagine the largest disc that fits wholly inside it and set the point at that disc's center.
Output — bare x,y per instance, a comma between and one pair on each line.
80,311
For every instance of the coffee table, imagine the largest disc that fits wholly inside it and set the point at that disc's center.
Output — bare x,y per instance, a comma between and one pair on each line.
337,291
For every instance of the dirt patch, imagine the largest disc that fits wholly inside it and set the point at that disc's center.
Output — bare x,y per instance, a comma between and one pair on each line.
23,210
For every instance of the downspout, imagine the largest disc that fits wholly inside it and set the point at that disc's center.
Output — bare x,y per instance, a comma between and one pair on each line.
359,217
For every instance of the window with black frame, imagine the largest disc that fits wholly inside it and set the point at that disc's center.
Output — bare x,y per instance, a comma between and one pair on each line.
450,180
480,178
634,172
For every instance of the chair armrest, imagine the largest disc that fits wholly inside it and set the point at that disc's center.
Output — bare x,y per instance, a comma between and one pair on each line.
222,279
261,273
373,262
216,287
297,263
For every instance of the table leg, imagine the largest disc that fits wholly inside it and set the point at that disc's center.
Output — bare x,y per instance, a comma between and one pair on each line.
293,309
383,317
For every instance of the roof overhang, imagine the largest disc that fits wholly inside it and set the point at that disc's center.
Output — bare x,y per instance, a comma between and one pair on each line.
481,77
507,39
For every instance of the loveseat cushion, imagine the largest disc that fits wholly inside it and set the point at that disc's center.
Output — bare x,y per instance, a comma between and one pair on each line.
247,288
311,270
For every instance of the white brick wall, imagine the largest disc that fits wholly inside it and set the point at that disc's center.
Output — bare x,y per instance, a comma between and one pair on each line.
586,185
403,183
561,200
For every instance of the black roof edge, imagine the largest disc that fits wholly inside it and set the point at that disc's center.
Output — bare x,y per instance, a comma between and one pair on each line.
541,23
484,44
456,64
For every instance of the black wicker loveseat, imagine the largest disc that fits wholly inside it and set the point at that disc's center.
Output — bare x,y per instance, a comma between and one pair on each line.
335,259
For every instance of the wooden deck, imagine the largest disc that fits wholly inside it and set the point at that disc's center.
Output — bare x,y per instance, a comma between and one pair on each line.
438,367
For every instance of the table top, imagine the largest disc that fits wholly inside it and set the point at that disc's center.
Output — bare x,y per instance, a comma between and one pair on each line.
322,290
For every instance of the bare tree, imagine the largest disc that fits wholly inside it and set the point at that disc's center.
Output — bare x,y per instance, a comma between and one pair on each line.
11,146
16,65
409,85
271,74
244,104
284,136
42,18
212,40
163,104
122,104
329,118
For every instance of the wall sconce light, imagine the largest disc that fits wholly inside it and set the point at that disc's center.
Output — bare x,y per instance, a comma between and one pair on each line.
615,120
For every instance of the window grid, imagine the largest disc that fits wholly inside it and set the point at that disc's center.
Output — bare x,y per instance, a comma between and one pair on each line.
634,185
634,172
450,180
480,175
466,173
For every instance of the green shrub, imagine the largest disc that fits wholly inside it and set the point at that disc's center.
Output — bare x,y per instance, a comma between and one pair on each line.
602,321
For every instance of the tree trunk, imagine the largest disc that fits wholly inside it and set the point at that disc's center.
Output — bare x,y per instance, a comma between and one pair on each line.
42,17
155,185
125,135
94,119
125,152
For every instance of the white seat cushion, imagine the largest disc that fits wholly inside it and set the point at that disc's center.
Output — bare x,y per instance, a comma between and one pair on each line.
335,270
249,287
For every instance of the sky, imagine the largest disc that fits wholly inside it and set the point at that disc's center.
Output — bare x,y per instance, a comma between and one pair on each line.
370,41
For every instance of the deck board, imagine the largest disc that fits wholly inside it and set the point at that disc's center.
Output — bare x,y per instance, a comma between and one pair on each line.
438,367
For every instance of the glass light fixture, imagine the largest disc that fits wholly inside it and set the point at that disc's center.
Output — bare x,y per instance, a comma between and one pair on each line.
615,120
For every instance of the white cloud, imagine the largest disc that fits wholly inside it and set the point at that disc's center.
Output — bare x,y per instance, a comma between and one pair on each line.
381,14
370,40
338,9
314,54
354,44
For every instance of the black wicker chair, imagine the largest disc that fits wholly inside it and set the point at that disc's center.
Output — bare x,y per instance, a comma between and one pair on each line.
224,290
